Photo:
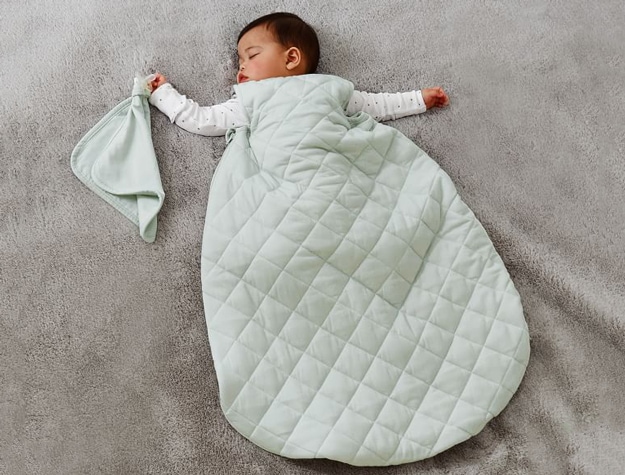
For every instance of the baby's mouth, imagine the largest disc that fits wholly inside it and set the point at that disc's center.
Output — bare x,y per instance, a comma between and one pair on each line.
242,78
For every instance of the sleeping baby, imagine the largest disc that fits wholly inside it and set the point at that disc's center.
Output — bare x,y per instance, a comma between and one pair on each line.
356,309
280,45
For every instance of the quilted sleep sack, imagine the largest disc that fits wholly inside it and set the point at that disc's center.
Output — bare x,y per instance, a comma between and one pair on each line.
356,308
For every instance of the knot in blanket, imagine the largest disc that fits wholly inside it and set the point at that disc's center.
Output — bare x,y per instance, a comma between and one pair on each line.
141,88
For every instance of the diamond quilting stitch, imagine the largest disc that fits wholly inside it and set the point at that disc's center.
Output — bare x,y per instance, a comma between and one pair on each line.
336,309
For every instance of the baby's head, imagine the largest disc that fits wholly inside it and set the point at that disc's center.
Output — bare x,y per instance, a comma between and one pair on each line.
276,45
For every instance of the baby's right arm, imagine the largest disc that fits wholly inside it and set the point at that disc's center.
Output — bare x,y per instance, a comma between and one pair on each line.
187,114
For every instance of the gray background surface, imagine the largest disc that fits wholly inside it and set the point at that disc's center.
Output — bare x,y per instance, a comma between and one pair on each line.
104,359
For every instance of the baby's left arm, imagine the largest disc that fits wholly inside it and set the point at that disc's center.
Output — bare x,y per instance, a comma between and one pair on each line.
384,106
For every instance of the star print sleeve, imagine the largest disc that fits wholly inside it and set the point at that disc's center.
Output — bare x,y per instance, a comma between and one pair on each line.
384,106
211,121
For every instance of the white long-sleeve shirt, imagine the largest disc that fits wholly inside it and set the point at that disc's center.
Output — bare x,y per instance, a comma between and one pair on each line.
216,120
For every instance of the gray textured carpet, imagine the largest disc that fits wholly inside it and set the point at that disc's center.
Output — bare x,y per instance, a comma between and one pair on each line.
104,359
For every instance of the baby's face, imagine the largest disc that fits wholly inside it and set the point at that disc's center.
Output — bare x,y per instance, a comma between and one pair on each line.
261,56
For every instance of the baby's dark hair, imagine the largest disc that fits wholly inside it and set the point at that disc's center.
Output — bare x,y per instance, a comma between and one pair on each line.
290,30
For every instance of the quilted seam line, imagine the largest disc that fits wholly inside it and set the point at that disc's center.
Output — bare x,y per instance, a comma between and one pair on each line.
312,389
252,217
418,344
513,359
322,383
356,346
333,148
382,228
266,294
489,414
389,397
343,341
251,375
315,454
477,375
304,384
492,246
373,422
317,87
343,236
489,257
345,406
383,426
251,435
386,396
235,239
370,364
268,142
407,244
278,126
337,302
311,132
505,377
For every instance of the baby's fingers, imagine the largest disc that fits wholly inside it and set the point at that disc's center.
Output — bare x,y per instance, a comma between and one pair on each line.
435,97
158,81
442,98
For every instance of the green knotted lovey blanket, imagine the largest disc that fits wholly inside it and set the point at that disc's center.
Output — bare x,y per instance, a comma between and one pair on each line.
356,308
116,160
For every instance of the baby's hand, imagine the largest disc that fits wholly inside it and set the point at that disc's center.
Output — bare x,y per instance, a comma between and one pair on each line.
434,97
158,81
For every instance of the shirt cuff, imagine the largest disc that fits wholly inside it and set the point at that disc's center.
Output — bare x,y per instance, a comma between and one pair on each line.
166,99
420,103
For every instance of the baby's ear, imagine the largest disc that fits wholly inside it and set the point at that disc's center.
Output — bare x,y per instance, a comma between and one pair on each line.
293,58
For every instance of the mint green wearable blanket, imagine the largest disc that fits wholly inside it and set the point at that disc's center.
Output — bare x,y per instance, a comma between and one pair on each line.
116,160
356,308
